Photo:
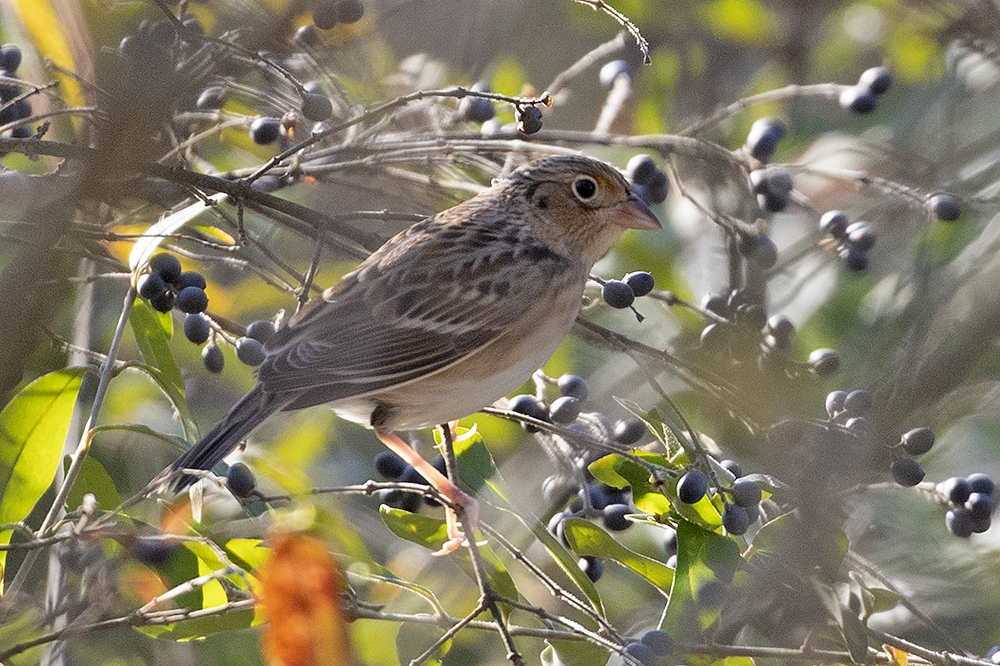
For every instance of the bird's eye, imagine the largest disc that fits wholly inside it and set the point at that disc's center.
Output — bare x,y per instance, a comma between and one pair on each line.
584,188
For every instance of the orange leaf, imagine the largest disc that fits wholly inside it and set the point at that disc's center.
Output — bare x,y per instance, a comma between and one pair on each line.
300,594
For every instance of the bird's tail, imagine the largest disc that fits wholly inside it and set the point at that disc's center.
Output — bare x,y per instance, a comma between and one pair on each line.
242,419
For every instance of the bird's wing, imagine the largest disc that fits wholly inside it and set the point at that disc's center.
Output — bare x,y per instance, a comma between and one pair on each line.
416,307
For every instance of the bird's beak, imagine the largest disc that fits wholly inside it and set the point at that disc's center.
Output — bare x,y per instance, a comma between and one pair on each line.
635,214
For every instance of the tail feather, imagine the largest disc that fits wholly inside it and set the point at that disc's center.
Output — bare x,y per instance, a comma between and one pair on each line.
242,419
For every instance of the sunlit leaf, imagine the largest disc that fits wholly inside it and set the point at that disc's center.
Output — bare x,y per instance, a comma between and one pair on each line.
706,563
586,538
95,480
33,429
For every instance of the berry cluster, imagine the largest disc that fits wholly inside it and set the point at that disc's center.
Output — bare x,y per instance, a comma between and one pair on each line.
745,333
772,187
971,504
393,468
863,96
649,182
741,501
852,240
850,410
622,293
331,12
166,286
12,108
650,647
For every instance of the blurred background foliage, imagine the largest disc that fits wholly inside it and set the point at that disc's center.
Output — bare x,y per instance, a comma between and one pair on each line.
919,328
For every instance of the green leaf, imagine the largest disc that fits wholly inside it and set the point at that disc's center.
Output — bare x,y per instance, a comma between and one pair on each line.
93,479
424,531
33,429
160,363
705,561
586,538
618,471
564,559
431,533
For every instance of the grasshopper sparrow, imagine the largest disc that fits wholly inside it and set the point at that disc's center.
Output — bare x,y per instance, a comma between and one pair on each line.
445,318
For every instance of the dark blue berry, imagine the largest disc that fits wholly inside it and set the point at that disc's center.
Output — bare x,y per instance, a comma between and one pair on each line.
617,294
190,279
240,480
641,653
860,234
692,486
265,130
476,109
260,330
641,169
835,402
389,464
854,258
196,328
857,403
735,519
151,286
746,493
573,385
834,222
660,642
213,358
980,506
166,266
824,362
192,300
658,188
959,522
763,138
350,11
906,472
732,467
250,351
918,441
529,119
956,489
564,409
641,282
629,431
10,57
527,405
592,567
876,79
945,207
163,302
614,517
315,107
858,99
980,483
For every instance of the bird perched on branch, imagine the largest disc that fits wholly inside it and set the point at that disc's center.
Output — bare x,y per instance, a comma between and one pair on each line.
445,318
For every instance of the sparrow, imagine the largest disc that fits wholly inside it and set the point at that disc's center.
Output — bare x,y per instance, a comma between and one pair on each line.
445,318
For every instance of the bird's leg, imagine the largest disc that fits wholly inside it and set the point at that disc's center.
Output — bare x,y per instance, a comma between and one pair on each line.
454,494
